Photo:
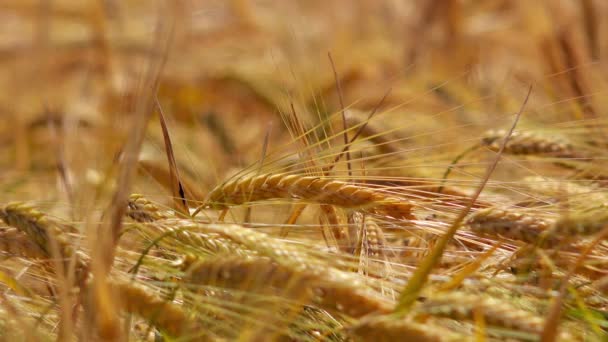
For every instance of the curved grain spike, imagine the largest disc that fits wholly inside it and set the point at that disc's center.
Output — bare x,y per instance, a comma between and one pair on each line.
15,243
511,225
141,209
207,242
47,233
389,329
581,224
161,313
461,306
193,233
314,189
529,143
373,249
38,227
328,288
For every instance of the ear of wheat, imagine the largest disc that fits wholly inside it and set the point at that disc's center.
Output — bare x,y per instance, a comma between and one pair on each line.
46,233
328,288
460,306
582,224
529,143
141,209
161,313
15,243
37,226
315,189
510,224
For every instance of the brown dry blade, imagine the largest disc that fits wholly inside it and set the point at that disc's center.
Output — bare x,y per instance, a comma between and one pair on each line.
177,188
162,176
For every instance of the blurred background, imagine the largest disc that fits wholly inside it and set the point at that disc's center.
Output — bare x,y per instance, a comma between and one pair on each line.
227,73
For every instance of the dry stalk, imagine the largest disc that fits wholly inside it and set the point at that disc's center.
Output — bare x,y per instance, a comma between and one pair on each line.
512,225
314,189
461,306
326,287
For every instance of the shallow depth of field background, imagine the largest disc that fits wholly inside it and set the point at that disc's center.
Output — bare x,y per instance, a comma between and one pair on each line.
254,84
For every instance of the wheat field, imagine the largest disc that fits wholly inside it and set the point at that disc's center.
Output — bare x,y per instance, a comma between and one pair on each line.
303,170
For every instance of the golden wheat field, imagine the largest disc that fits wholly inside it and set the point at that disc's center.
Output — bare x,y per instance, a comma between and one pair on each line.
258,170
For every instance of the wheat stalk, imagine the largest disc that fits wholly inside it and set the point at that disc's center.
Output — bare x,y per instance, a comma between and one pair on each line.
315,189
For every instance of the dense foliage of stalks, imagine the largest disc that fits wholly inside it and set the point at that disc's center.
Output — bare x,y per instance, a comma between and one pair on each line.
428,170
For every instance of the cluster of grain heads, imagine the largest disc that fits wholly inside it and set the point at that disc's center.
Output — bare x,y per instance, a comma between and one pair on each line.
340,290
388,328
466,307
313,189
530,143
511,224
325,287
